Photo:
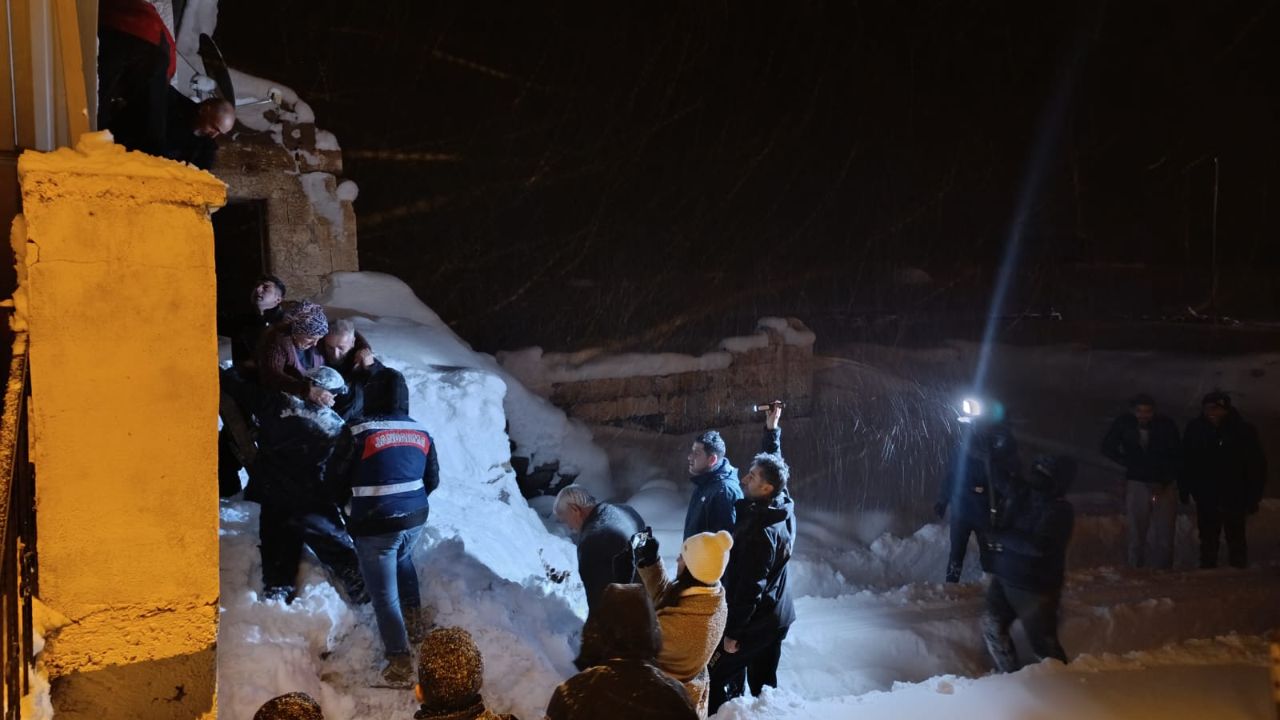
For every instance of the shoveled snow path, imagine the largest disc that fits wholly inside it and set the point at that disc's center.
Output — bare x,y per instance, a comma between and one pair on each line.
921,631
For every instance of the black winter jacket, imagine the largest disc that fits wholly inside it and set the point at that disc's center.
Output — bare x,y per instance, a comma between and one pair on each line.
1028,548
714,494
1158,463
244,331
1225,466
621,690
604,548
990,449
620,679
756,579
294,446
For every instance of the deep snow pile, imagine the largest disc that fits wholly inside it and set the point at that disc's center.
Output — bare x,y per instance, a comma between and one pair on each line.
486,563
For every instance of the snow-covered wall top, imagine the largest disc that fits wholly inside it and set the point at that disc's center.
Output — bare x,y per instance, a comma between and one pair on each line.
538,369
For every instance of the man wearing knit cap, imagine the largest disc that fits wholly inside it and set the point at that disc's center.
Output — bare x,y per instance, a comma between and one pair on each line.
450,674
1225,471
288,351
691,610
292,706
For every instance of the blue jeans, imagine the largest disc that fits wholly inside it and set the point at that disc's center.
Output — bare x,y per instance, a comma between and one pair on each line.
389,575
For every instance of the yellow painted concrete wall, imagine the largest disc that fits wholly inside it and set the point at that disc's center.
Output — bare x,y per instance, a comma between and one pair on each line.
120,287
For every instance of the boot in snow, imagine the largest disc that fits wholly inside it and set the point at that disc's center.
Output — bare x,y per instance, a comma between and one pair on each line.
953,572
399,671
999,644
285,593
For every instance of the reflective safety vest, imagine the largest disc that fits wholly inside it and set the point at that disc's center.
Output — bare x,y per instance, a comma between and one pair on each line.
394,470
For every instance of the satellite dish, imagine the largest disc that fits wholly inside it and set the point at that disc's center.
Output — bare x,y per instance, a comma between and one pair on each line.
216,68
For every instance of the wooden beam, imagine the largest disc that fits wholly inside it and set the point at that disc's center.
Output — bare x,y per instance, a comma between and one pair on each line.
8,136
72,61
23,95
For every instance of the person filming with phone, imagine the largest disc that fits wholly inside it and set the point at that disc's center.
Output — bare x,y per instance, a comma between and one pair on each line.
691,609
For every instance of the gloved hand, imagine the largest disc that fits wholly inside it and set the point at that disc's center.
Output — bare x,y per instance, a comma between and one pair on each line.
644,548
940,509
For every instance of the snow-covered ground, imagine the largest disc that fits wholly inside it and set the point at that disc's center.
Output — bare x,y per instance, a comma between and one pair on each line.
877,635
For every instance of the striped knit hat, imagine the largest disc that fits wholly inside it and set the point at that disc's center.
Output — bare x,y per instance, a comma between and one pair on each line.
307,318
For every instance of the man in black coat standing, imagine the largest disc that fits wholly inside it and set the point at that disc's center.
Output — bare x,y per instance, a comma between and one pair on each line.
1225,471
1028,551
760,608
981,466
1147,445
241,396
603,534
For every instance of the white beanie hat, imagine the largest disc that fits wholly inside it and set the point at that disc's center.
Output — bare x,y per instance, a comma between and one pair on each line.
706,555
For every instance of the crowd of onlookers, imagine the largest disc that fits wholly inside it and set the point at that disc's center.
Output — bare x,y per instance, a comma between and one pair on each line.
322,429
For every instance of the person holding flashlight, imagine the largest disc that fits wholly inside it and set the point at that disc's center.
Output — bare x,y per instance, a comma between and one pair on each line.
983,461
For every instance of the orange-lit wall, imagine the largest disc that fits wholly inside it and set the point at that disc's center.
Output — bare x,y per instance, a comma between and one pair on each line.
120,294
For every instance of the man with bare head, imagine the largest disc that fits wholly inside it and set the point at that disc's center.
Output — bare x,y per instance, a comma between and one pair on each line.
345,350
192,128
214,117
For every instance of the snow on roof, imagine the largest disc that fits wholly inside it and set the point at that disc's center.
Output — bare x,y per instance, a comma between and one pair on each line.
96,153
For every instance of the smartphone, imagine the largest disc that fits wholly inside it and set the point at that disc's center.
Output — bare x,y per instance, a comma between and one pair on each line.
641,538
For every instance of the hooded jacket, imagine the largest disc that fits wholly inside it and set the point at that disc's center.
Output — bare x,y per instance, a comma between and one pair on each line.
1028,549
619,680
756,580
692,624
386,463
295,443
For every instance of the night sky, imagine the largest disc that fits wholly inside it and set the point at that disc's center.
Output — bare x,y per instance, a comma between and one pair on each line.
659,174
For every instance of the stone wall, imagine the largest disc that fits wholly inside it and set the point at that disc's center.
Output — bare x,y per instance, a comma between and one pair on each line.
311,225
118,295
716,391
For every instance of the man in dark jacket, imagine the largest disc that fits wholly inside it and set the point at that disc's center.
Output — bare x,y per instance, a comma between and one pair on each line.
385,467
620,679
295,445
1147,445
241,396
760,608
191,128
715,487
346,351
1028,545
245,329
1225,471
603,533
984,461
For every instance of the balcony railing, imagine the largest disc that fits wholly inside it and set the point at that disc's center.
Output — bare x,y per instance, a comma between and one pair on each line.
18,528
